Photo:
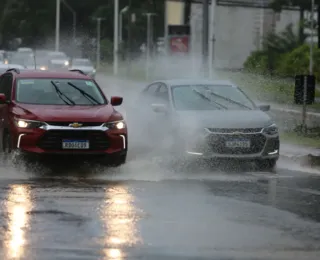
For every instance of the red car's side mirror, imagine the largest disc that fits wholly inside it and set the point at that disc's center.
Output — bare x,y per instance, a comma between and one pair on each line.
116,101
3,98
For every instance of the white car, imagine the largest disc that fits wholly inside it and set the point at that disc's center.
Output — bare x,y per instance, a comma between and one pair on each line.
58,60
84,65
5,67
24,49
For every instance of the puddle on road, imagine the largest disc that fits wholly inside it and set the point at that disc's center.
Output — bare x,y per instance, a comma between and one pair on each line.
151,168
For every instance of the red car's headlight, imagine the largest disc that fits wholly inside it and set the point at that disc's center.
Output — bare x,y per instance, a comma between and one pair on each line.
28,124
115,125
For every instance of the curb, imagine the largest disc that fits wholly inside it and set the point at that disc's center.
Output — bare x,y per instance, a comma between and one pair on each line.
308,160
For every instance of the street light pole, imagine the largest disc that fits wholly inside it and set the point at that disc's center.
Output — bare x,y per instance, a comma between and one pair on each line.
149,40
125,9
305,85
205,35
116,37
311,36
166,29
74,23
212,37
57,25
98,19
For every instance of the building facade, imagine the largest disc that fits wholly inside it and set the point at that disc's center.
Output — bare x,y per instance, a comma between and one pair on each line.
238,30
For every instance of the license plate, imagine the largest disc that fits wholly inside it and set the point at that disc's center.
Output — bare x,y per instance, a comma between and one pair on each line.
238,144
75,144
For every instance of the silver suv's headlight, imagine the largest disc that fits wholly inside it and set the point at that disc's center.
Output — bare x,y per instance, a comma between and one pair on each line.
115,125
28,124
271,130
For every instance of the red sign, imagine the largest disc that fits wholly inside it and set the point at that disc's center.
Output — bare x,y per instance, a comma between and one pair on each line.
179,44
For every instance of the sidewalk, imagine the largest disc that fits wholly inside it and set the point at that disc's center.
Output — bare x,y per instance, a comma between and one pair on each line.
305,156
289,109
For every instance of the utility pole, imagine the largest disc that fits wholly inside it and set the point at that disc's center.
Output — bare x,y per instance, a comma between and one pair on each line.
212,37
98,19
116,37
205,36
57,25
149,41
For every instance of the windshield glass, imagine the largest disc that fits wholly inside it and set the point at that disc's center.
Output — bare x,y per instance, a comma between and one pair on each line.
210,97
86,63
57,91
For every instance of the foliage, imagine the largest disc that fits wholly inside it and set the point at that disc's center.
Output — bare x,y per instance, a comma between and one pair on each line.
284,41
275,48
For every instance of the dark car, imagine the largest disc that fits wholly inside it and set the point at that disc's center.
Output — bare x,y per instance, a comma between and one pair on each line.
60,113
207,119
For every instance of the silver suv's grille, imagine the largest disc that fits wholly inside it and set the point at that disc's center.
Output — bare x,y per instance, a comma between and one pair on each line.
235,130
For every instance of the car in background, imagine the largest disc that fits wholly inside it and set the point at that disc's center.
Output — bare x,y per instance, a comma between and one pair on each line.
5,67
25,50
207,119
84,65
20,58
2,58
58,60
60,113
37,63
7,56
42,52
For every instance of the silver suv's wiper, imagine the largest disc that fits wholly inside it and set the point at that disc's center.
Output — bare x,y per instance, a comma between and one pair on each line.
61,95
85,94
203,96
227,99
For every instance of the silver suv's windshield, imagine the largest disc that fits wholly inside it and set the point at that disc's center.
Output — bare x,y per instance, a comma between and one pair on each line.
210,97
59,92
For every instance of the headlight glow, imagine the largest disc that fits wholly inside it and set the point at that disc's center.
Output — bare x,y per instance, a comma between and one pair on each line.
66,63
271,130
115,125
29,124
94,71
43,68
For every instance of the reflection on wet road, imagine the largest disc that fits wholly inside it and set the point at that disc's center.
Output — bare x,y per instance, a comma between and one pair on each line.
17,205
145,210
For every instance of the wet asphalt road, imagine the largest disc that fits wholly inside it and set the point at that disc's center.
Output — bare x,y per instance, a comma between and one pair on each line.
148,210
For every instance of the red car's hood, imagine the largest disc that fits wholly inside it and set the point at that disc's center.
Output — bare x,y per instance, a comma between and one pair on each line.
64,113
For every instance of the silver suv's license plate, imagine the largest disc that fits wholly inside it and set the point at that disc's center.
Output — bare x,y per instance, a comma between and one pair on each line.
238,144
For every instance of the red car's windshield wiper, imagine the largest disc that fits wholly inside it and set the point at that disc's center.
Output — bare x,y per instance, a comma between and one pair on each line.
85,94
61,95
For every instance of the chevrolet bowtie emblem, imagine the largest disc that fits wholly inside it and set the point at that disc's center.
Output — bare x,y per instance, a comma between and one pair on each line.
75,125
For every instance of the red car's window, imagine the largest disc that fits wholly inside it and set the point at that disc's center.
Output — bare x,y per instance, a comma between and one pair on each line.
59,92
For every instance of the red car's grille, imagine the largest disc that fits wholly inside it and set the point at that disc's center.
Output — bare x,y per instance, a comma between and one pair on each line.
52,139
68,123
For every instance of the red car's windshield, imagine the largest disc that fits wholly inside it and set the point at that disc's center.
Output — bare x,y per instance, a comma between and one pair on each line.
59,92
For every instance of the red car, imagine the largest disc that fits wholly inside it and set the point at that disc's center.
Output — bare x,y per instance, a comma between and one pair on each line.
46,112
